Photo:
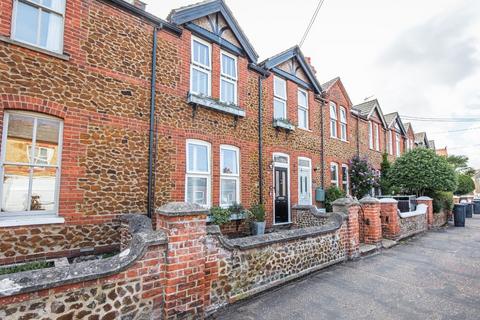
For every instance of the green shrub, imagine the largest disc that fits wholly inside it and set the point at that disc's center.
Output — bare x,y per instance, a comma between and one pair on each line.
236,208
385,184
220,215
441,201
465,185
257,213
333,193
362,177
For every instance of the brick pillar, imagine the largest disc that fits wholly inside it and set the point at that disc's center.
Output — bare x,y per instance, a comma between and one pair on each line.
350,208
371,220
389,217
429,202
185,226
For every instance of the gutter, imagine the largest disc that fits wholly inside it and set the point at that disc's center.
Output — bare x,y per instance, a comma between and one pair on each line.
151,146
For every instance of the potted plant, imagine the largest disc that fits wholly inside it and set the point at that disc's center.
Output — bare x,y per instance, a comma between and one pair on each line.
237,210
257,218
220,215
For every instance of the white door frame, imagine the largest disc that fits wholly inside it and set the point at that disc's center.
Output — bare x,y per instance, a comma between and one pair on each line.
281,165
309,177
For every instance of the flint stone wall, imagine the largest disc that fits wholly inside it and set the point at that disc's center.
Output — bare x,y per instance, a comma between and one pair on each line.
440,219
412,225
127,286
19,244
308,216
250,265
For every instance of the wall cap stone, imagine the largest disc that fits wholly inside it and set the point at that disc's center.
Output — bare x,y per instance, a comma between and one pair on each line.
346,202
424,198
388,200
421,210
369,200
179,209
35,280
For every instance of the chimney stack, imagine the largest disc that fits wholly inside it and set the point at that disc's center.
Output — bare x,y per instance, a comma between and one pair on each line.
309,61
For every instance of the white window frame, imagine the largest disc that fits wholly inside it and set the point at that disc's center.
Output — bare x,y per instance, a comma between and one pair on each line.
390,142
347,189
377,136
334,182
303,109
32,217
228,78
343,124
201,67
230,176
310,178
397,144
370,135
41,8
197,174
333,120
278,98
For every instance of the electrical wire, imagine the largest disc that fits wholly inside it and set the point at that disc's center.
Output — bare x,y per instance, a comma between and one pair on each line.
454,131
435,119
310,24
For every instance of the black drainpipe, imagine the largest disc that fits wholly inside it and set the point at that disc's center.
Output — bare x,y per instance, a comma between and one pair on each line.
358,135
150,191
322,146
260,137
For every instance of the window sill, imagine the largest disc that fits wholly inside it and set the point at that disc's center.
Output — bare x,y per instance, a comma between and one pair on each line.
210,103
35,48
30,220
339,139
304,129
277,123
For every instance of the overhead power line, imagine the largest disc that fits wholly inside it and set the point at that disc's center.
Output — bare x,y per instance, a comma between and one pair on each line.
435,119
312,21
458,130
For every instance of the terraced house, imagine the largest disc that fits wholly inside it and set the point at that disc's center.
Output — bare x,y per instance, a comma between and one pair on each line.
107,109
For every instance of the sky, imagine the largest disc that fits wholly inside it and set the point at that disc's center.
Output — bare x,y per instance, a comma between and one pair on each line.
420,58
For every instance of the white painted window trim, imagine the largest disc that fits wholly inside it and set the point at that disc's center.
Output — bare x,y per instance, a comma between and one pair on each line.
377,137
282,165
31,217
343,124
347,191
201,67
333,120
390,142
228,78
370,134
199,174
230,176
397,145
310,177
332,181
278,98
42,8
303,109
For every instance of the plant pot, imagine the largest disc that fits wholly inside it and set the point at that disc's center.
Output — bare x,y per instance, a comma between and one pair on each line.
257,228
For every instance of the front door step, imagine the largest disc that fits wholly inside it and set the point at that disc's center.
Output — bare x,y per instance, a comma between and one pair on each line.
367,249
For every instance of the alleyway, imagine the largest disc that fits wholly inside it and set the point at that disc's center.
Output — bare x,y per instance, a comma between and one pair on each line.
432,276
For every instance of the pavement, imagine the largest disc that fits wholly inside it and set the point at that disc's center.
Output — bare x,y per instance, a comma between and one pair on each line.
435,275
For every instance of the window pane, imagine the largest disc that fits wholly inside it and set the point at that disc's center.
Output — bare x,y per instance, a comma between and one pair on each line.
333,111
197,190
56,5
344,131
26,23
199,82
333,128
229,165
15,188
333,172
47,141
302,98
43,189
229,191
229,66
197,158
304,163
19,138
227,91
201,54
343,115
279,109
51,31
280,88
302,118
344,174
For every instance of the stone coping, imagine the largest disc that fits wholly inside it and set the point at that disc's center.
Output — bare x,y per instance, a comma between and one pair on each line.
346,202
388,200
369,200
313,210
35,280
424,199
179,209
264,240
421,210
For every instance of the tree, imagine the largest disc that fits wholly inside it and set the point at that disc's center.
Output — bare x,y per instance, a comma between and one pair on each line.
465,185
421,171
460,164
385,183
362,177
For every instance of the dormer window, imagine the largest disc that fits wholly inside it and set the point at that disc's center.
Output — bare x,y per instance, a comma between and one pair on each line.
280,98
39,23
201,68
228,79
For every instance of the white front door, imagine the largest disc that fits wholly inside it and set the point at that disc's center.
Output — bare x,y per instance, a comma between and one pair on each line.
304,182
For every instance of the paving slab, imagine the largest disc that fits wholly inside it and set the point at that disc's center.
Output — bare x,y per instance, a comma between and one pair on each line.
435,275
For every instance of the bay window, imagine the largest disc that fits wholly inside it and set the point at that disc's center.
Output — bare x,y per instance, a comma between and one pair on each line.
30,164
343,124
280,98
229,175
228,78
198,173
333,120
302,109
39,23
200,68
